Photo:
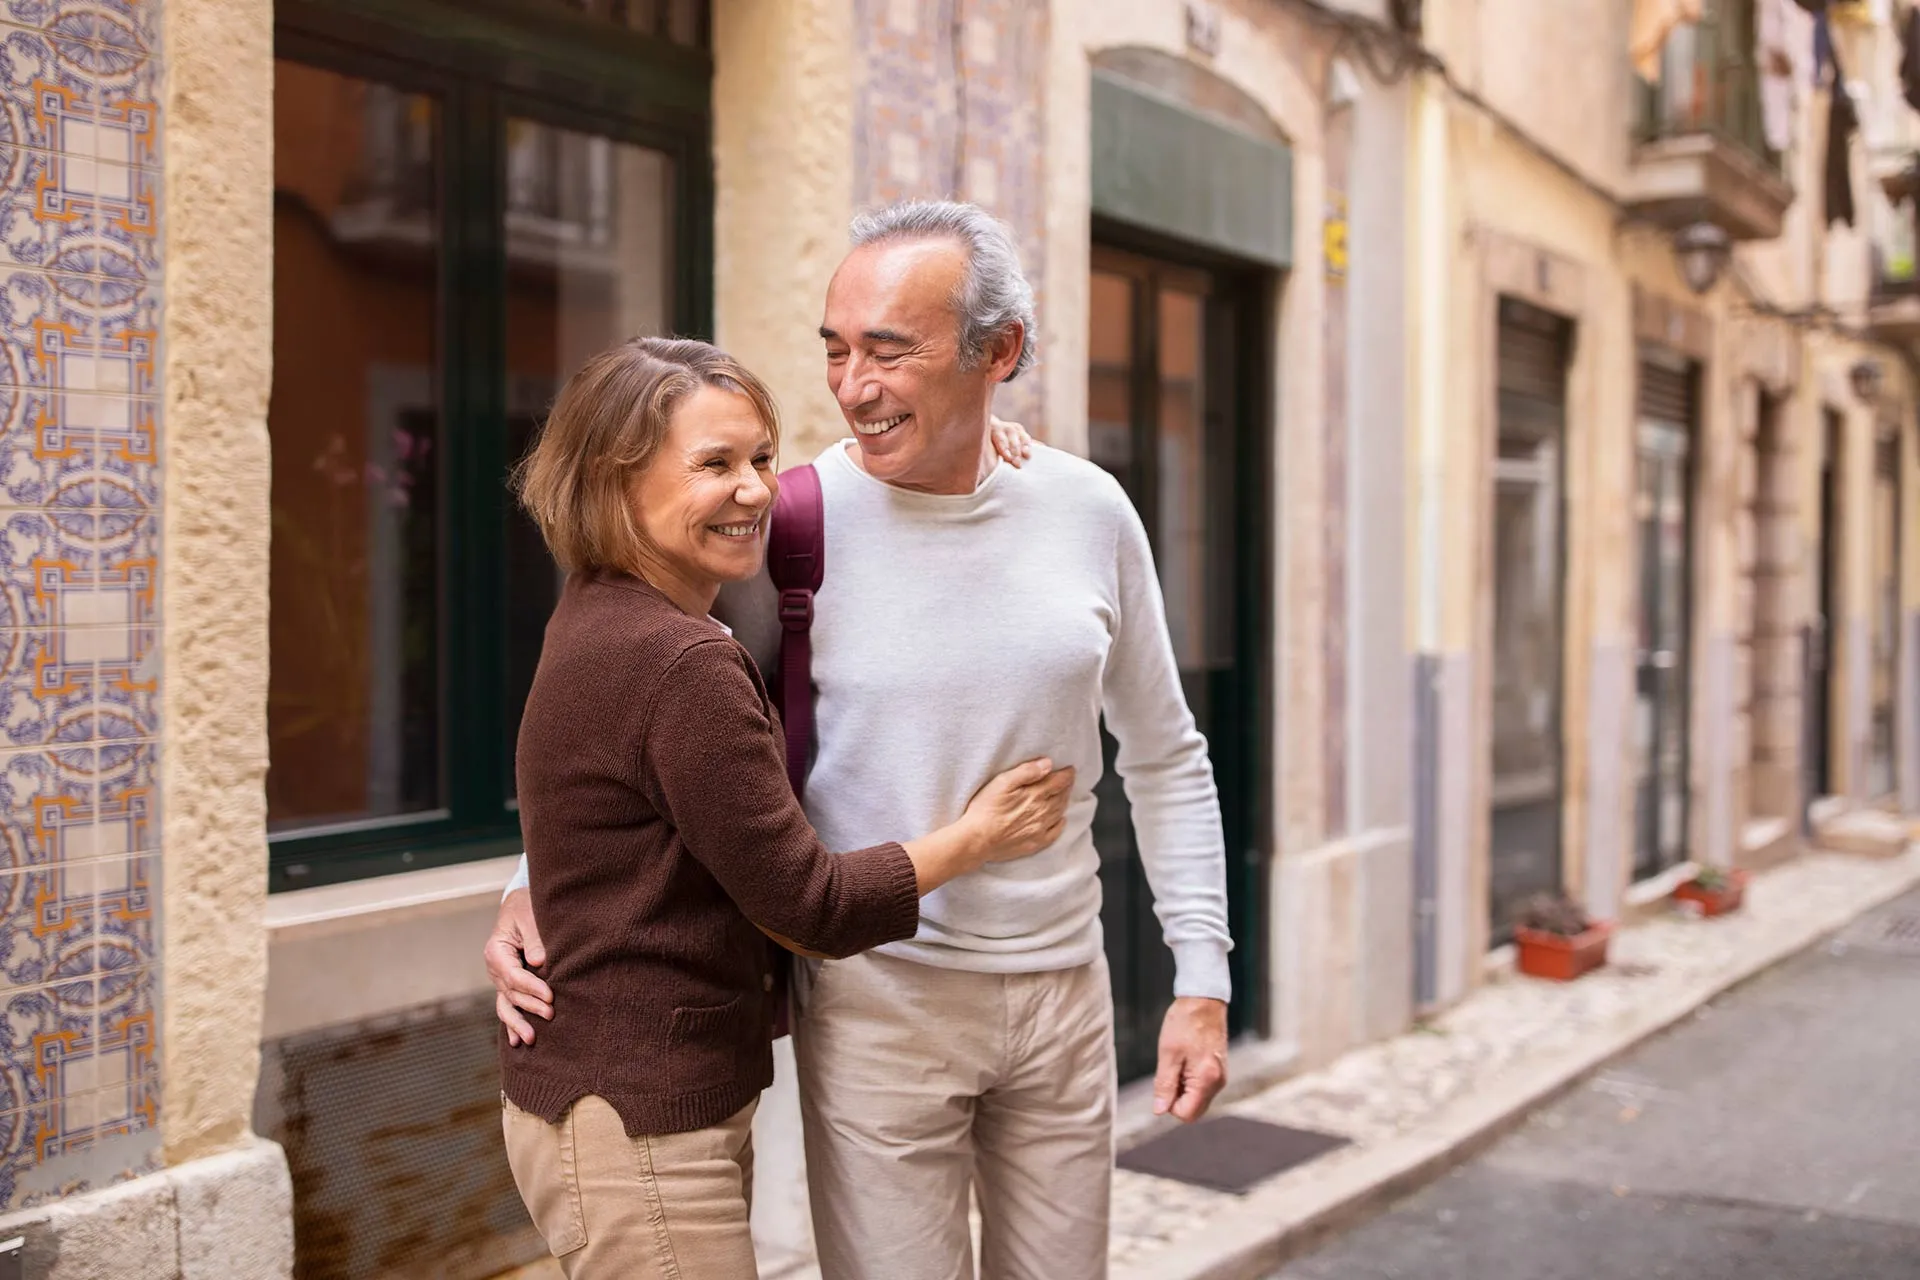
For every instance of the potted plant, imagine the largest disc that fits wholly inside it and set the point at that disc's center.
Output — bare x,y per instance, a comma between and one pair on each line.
1557,940
1713,891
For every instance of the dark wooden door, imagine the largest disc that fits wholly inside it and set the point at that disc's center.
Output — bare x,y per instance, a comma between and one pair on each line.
1663,508
1529,533
1169,417
1821,635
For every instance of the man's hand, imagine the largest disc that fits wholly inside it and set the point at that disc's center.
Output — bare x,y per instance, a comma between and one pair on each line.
515,987
1193,1058
1012,442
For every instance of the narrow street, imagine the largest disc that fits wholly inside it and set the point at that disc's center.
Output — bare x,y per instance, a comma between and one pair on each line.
1773,1136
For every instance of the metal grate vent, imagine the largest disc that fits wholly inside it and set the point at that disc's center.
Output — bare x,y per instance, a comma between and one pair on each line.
392,1131
1228,1153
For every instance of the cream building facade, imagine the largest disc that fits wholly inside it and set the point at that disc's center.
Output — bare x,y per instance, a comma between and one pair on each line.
1499,555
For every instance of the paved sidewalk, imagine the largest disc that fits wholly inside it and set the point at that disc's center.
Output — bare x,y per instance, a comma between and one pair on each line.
1418,1103
1770,1136
1421,1102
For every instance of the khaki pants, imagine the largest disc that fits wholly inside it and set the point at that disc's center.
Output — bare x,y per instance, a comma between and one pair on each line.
917,1084
671,1207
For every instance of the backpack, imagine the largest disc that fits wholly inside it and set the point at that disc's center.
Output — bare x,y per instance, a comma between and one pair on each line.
797,563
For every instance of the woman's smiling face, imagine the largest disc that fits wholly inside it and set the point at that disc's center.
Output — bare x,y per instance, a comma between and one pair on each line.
701,504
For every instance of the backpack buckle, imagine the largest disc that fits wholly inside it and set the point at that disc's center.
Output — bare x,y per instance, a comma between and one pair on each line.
796,609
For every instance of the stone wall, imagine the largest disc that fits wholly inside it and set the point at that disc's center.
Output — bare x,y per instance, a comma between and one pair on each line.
218,372
948,104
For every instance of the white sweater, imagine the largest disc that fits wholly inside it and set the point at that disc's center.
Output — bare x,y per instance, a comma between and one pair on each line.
955,636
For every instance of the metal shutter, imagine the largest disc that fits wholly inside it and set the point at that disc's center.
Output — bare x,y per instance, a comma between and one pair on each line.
1534,349
1666,392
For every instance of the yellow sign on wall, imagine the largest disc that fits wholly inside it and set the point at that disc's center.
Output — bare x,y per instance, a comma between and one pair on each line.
1333,238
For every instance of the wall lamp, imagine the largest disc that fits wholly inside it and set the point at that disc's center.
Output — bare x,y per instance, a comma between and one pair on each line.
1703,251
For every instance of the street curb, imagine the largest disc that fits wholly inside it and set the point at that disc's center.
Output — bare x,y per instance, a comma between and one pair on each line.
1266,1229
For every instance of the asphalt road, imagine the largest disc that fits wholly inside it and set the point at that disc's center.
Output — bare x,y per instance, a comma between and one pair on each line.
1775,1135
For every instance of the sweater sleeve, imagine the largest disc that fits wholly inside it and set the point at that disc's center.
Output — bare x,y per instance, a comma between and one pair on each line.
710,761
1168,777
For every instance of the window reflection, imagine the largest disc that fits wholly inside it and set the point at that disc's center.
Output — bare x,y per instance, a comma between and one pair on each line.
354,699
1110,376
589,251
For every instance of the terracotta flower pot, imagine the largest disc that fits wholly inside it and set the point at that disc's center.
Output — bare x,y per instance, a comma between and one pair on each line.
1560,958
1714,902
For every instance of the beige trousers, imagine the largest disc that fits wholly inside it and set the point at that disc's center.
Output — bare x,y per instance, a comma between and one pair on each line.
610,1207
918,1084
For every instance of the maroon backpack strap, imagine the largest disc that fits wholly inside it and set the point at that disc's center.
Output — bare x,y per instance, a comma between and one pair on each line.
797,563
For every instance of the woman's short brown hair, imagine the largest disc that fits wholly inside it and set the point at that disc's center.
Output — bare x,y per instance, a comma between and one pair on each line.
606,425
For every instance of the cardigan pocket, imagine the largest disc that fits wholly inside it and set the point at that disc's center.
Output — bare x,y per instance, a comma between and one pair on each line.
705,1042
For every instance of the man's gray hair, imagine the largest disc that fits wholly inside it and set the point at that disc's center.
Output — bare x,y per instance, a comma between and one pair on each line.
994,293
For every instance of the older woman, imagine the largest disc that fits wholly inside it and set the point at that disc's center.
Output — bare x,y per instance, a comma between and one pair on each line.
662,838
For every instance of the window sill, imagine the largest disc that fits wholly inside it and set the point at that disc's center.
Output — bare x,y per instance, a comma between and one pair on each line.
385,900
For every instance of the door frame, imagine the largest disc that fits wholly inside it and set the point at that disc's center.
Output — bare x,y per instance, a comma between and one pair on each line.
1250,289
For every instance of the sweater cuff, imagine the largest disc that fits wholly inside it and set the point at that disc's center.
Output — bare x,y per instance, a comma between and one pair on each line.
889,865
905,880
1200,970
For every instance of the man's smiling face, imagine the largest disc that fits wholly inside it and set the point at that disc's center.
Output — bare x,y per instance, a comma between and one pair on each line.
895,362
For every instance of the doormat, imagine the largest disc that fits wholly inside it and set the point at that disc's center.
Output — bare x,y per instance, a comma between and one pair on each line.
1230,1153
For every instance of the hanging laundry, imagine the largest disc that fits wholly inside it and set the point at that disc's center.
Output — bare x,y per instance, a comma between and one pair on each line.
1842,122
1910,58
1653,22
1784,55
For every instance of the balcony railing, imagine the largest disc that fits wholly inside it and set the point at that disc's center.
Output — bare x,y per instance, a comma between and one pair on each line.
1710,83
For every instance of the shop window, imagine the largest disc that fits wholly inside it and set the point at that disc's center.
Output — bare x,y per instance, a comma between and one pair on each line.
466,207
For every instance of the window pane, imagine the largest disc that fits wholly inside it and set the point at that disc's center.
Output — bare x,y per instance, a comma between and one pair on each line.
1526,628
1881,779
589,255
1181,545
1110,376
354,704
1194,540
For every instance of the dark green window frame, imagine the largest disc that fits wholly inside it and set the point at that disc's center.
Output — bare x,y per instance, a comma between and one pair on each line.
486,61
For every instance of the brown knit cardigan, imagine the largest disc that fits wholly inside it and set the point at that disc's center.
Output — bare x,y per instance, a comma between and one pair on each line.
660,830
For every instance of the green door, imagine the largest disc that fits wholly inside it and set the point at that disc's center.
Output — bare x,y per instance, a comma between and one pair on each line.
1168,415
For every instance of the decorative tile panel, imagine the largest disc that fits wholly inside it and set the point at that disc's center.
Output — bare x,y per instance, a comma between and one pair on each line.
80,491
129,785
46,804
49,930
950,105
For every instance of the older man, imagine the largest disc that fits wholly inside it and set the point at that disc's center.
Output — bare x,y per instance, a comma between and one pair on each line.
974,615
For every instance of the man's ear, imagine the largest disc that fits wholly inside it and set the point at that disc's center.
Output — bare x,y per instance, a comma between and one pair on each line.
1003,351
